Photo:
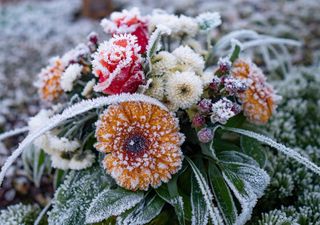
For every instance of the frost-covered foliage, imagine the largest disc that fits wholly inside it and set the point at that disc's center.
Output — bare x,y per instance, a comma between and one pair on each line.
150,121
19,214
74,196
297,124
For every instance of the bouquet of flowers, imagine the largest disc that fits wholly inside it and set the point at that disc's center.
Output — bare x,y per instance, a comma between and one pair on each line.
152,126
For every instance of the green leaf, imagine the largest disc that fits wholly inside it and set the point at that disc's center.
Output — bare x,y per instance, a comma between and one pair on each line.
198,204
178,204
35,163
167,216
169,193
235,53
19,214
234,156
163,192
143,213
176,200
39,166
153,46
109,221
236,121
187,206
247,183
255,177
222,195
112,202
58,178
221,145
73,197
206,193
280,147
254,149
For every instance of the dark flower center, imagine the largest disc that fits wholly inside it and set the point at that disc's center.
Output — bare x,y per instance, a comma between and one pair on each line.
136,143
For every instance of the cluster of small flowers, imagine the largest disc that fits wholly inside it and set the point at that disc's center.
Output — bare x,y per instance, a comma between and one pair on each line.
136,60
62,73
183,25
176,77
238,86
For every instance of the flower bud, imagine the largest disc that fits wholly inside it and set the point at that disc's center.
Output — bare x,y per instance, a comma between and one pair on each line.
215,83
198,120
205,135
205,105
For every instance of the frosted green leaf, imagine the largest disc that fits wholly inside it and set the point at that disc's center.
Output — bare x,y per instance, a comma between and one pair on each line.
247,183
234,156
207,195
19,215
280,147
143,213
254,149
170,194
198,204
73,197
112,202
222,195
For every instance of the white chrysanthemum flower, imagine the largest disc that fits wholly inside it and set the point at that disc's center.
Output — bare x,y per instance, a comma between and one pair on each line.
62,144
54,145
161,18
187,57
207,21
87,90
184,89
179,26
163,63
59,162
82,160
156,88
69,76
186,26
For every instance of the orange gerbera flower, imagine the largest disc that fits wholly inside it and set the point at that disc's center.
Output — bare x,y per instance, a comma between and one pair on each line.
259,100
143,142
49,84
